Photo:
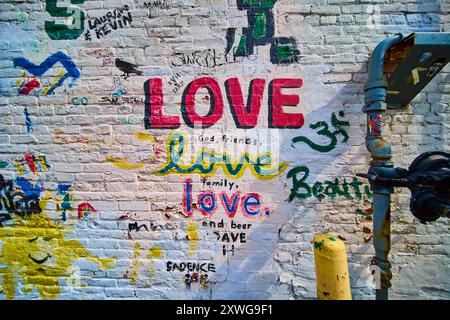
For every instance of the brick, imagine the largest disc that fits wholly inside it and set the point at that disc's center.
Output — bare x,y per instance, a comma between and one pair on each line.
102,149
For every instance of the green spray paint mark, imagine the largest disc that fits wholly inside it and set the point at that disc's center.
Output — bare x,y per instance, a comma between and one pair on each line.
366,213
326,189
241,50
318,245
325,131
23,16
259,32
260,4
3,164
66,31
285,53
332,239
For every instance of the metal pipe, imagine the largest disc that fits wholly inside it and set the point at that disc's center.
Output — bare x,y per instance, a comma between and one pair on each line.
381,165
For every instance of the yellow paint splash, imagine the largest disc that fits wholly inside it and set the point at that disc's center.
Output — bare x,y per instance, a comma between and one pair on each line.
21,79
192,233
154,253
34,249
125,164
136,264
143,136
20,169
43,163
54,82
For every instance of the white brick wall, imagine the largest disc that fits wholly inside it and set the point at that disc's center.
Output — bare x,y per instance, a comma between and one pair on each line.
119,210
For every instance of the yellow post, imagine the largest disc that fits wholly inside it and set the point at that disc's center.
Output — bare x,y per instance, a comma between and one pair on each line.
333,280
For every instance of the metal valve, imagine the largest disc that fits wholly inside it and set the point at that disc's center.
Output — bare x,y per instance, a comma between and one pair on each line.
428,178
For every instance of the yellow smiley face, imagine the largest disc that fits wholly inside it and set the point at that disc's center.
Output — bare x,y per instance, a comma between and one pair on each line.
35,251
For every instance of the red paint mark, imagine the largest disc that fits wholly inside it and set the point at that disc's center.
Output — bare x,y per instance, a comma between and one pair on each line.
251,204
154,114
367,240
367,230
157,152
85,210
230,205
245,115
29,158
207,203
277,117
191,117
29,86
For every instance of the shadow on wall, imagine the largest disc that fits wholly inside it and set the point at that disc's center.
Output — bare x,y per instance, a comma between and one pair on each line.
258,271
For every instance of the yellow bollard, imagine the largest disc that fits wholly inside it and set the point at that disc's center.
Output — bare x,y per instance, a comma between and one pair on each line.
333,280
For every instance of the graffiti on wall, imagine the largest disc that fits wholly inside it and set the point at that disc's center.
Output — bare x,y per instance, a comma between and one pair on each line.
302,190
176,82
85,210
104,55
208,58
197,271
138,262
28,122
229,233
28,85
208,202
127,68
261,31
40,257
206,162
19,197
244,115
119,93
30,163
73,16
327,189
113,20
160,4
46,251
340,130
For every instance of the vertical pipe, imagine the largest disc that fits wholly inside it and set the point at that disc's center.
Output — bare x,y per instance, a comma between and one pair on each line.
382,242
381,165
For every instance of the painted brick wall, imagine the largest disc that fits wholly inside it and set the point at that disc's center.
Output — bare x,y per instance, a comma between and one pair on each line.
145,152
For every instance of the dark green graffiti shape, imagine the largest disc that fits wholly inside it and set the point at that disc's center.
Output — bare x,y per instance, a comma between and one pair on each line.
318,245
325,131
320,190
261,31
63,31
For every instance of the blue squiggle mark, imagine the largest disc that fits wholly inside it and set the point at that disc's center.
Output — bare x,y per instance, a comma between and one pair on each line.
28,121
38,70
28,188
63,188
